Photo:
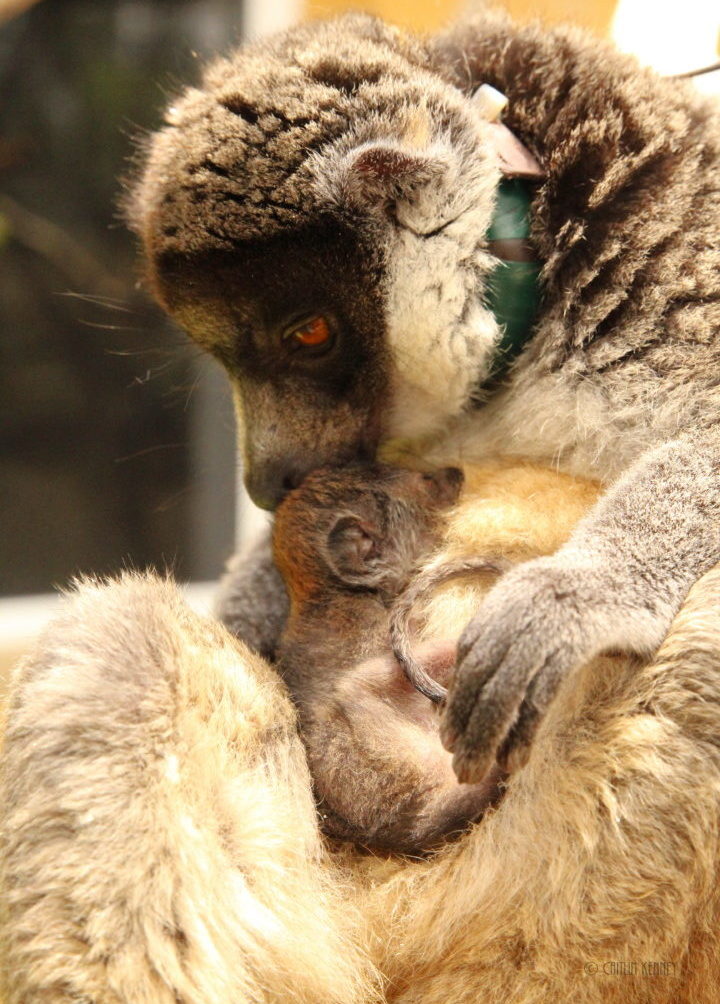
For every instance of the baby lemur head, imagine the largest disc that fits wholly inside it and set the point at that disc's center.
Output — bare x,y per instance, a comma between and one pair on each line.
361,528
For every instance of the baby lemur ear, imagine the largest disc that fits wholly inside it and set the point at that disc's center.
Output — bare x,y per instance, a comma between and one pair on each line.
352,551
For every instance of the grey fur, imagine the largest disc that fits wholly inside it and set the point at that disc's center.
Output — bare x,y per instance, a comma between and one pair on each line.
616,585
251,600
385,175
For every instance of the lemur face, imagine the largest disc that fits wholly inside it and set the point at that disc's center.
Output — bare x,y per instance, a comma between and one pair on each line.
314,215
298,325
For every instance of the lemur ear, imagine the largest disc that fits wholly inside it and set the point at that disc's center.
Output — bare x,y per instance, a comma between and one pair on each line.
379,171
352,550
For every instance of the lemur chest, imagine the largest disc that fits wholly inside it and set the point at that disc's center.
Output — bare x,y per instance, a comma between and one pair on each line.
577,427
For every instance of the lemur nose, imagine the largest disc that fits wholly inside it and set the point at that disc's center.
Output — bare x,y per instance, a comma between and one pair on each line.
268,483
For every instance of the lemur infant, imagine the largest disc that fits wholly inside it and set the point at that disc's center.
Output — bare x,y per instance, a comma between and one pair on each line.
347,542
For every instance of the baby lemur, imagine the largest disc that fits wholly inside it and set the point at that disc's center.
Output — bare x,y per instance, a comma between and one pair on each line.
347,543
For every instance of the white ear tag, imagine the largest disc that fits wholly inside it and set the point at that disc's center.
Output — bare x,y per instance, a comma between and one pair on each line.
490,102
514,158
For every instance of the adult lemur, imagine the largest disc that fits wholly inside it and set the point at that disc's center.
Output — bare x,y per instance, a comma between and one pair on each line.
316,213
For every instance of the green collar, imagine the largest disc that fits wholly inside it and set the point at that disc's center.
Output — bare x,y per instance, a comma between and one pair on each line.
513,292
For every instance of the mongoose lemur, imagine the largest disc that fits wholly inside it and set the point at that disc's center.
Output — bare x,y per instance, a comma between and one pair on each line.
376,250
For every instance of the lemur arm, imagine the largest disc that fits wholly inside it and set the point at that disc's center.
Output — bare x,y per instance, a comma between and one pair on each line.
252,601
615,586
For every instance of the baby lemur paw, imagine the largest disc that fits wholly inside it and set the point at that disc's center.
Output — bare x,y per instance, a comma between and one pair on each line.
543,620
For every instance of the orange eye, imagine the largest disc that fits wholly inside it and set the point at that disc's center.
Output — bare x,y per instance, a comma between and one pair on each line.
312,334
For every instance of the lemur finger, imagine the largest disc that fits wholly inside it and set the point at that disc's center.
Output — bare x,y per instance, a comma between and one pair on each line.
515,747
475,668
493,707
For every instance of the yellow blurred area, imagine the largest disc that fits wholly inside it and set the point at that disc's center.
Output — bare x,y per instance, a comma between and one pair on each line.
428,14
665,36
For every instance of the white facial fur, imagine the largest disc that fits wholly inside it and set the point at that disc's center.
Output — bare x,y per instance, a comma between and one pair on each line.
441,335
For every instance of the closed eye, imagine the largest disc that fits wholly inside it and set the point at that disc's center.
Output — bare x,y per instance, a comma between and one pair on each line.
424,233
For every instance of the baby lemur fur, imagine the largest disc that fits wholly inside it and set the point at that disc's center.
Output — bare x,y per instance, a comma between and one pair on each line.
347,543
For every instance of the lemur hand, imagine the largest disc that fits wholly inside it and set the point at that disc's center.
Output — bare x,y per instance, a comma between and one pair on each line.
616,584
541,622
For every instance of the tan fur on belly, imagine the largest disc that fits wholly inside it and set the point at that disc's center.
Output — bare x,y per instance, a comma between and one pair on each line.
508,509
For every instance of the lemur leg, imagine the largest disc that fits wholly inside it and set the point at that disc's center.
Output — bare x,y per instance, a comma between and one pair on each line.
615,585
160,842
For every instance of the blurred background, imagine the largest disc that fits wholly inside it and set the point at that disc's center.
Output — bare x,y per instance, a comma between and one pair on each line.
116,436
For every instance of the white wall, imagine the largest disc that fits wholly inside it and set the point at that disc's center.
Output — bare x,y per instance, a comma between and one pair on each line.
672,37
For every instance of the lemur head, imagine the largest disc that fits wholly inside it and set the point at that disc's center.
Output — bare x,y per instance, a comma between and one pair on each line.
361,528
314,215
